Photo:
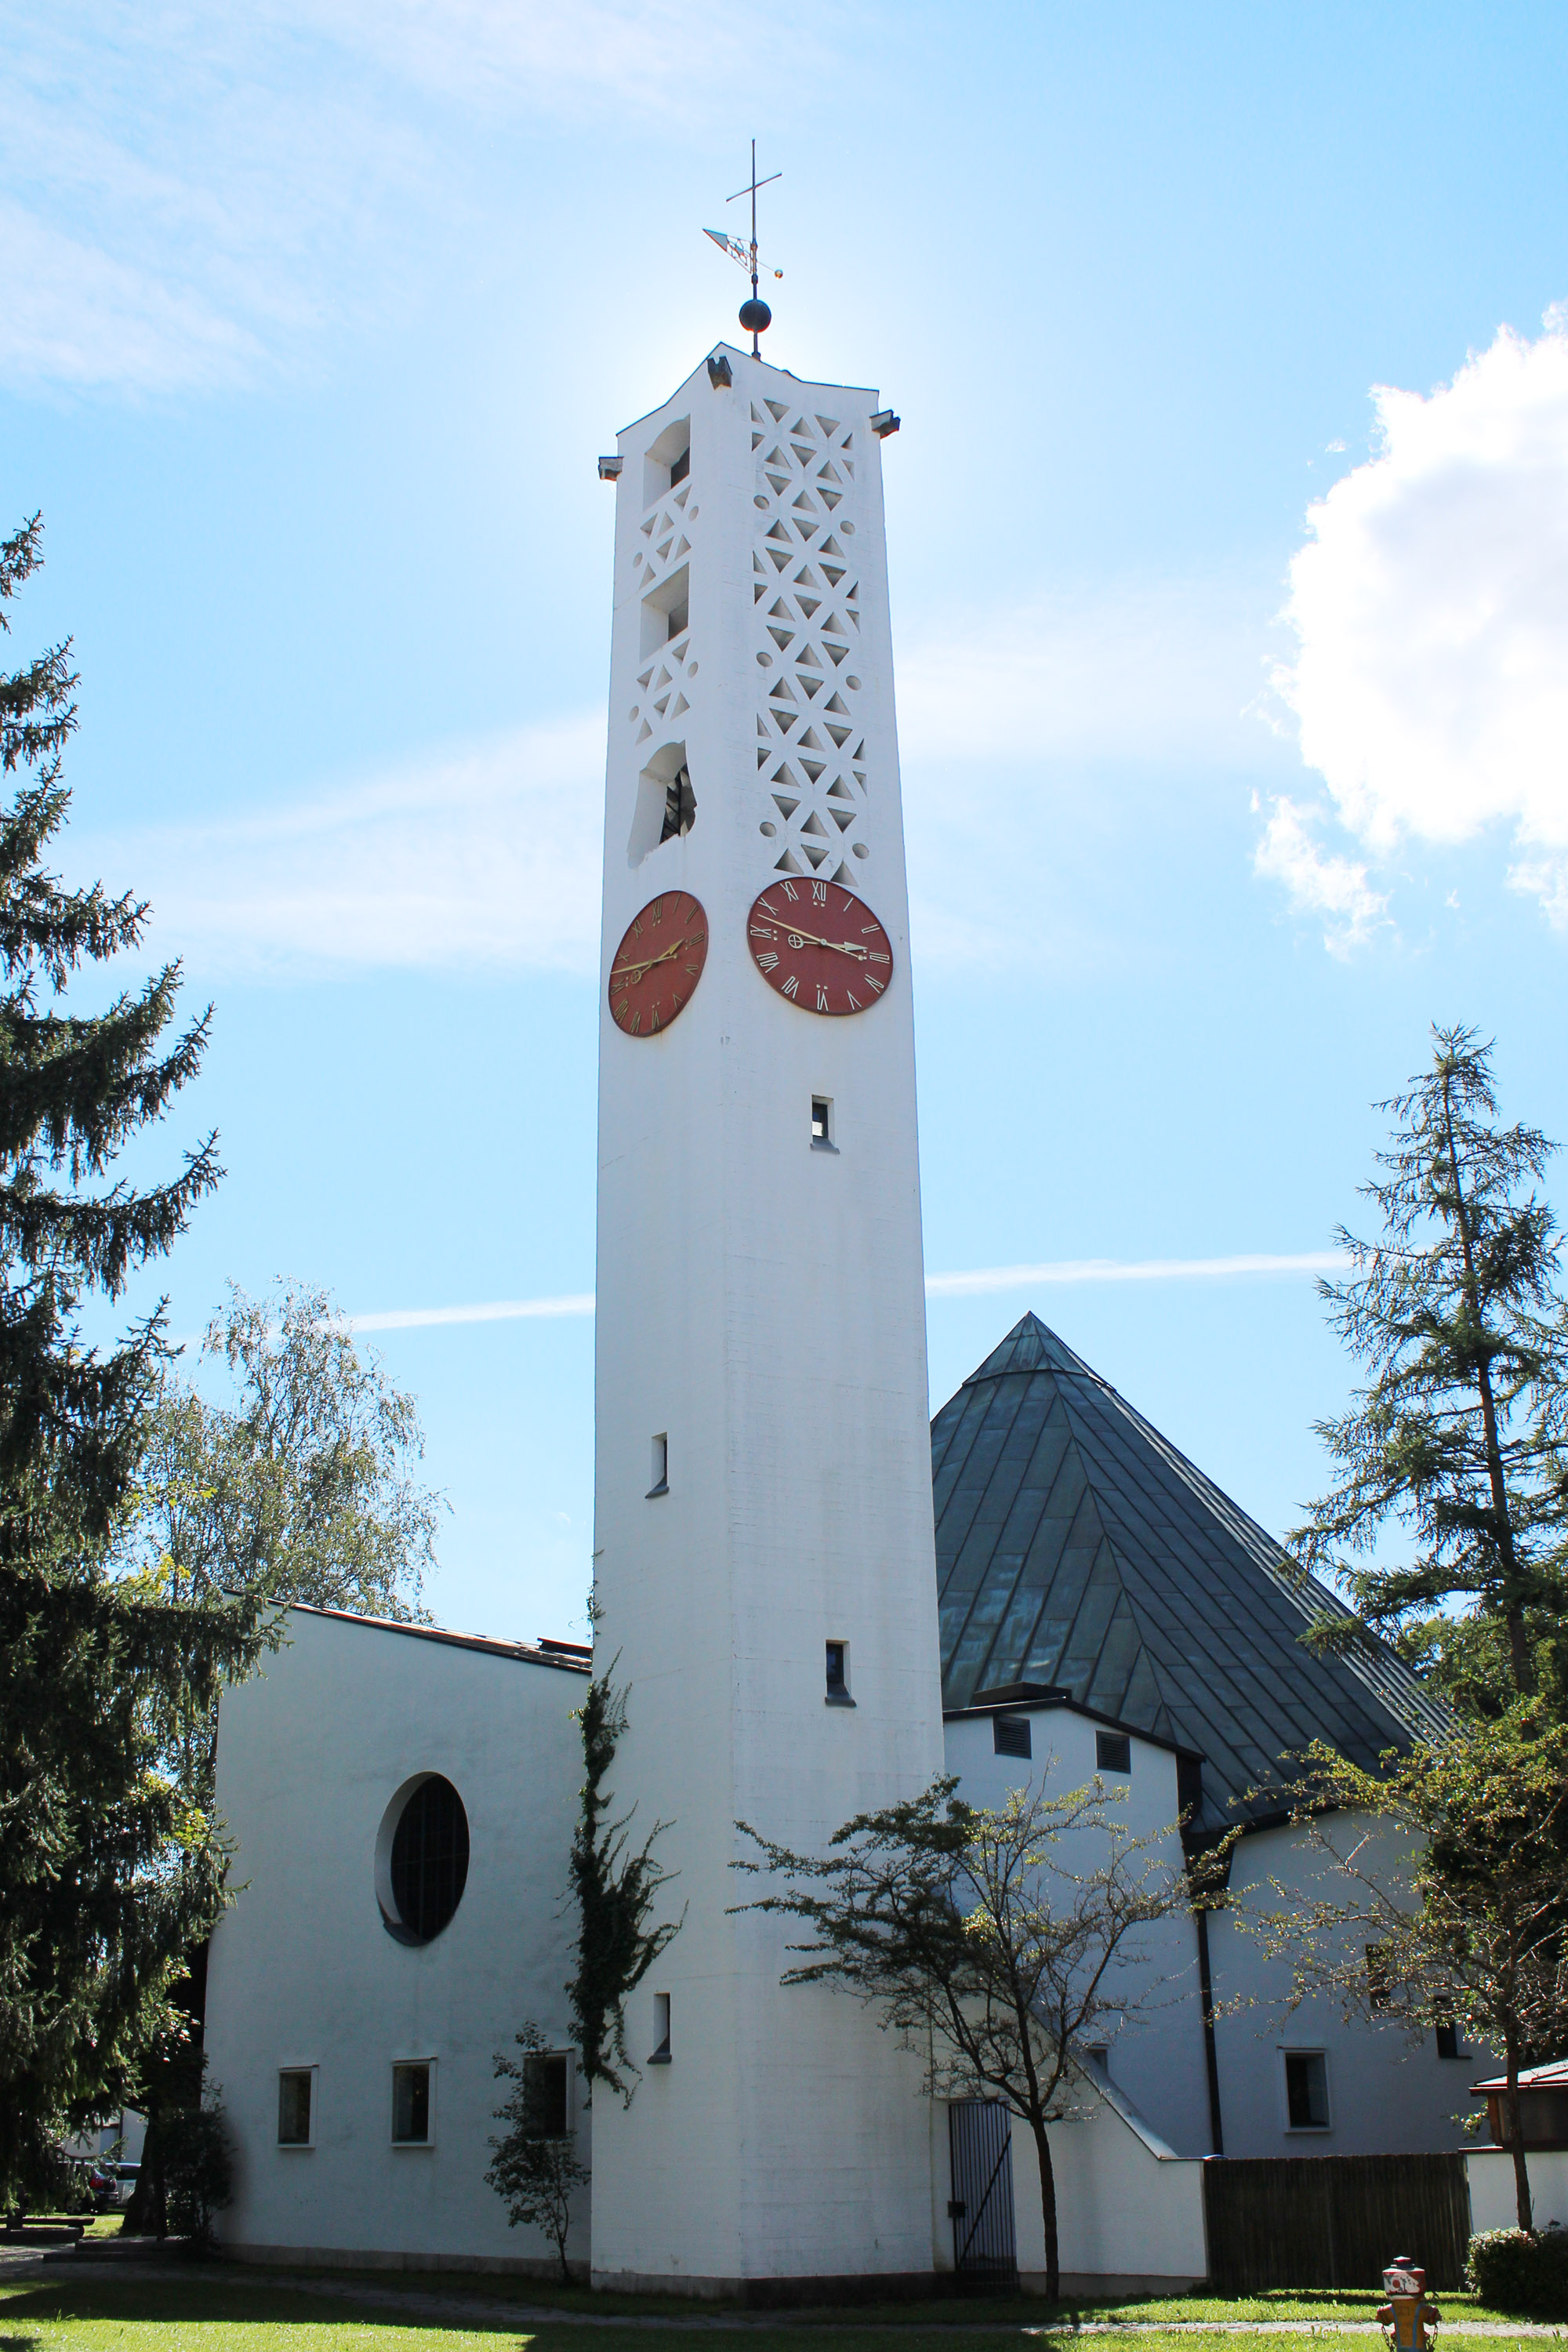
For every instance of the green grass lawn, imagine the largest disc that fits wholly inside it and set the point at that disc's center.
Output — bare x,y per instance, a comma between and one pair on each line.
213,2310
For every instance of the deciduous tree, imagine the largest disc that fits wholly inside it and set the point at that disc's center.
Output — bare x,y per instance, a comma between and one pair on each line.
536,2168
1000,1946
1461,1917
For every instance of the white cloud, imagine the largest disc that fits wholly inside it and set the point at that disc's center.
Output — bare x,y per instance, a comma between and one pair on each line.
1319,882
1430,679
487,858
193,190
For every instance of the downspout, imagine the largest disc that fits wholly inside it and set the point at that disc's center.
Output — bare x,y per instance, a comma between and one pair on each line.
1211,2047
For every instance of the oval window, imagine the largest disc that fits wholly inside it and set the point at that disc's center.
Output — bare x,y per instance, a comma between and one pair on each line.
427,1866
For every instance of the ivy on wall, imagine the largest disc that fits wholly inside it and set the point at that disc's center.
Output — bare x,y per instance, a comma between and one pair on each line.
616,1886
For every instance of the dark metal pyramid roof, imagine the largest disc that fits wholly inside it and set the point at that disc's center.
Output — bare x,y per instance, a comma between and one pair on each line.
1075,1546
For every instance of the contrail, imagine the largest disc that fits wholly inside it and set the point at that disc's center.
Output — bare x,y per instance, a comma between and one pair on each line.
970,1285
1117,1269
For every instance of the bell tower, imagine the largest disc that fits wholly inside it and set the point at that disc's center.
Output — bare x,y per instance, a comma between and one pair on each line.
765,1572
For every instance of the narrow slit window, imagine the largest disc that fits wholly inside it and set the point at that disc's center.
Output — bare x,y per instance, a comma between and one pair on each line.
1112,1751
838,1691
544,2082
822,1120
294,2105
659,2054
411,2104
1011,1735
659,1466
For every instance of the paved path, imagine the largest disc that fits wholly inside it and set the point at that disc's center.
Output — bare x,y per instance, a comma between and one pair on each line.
29,2260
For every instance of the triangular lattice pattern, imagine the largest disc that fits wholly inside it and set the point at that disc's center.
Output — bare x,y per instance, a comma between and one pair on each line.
665,681
812,771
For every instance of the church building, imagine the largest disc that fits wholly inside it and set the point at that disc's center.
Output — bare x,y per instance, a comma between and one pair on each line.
815,1600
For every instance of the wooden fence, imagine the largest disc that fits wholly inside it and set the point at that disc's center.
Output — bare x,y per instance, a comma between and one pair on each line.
1333,2220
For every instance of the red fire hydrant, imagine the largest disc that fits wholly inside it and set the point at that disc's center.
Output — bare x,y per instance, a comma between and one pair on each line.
1409,2322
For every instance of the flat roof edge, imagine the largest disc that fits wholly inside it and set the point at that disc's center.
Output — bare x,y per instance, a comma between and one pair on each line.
490,1645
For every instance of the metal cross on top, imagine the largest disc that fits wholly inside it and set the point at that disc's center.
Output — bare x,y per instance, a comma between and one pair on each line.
755,314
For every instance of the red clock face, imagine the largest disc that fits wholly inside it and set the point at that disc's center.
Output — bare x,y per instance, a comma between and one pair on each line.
819,945
655,970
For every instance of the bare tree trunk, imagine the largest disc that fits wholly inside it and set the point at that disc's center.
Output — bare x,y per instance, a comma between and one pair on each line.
1516,2140
1049,2211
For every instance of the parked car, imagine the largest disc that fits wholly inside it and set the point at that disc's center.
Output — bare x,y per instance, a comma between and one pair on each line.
102,2187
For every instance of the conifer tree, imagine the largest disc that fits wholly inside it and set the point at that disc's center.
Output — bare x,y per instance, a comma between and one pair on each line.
107,1877
1459,1435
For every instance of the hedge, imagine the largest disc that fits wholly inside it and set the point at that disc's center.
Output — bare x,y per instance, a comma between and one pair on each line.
1511,2269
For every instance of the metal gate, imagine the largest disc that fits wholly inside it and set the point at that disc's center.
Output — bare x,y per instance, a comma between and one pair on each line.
980,2144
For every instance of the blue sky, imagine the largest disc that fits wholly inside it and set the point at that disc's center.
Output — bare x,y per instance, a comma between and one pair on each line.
1231,686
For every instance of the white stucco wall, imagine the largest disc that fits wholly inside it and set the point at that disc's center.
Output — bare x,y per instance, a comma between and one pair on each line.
303,1972
761,1303
1493,2201
1129,2214
1386,2095
1158,2058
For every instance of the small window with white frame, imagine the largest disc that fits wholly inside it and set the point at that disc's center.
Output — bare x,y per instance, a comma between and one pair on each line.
1306,2091
296,2106
413,2103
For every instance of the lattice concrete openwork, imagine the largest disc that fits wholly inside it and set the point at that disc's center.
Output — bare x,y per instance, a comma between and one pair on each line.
811,745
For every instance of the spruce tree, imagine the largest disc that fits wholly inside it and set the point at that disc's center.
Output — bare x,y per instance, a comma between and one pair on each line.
1458,1438
107,1877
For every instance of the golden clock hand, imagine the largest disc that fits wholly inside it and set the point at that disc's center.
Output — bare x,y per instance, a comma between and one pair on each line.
648,962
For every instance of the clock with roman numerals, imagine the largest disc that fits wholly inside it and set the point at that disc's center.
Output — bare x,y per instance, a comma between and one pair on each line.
655,970
819,945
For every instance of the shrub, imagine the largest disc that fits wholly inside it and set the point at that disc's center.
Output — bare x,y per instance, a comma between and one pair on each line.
1512,2270
198,2169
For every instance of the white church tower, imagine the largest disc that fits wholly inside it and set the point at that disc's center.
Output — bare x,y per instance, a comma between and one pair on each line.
764,1565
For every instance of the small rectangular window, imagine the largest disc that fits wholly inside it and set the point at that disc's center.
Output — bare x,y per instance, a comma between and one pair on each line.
837,1692
1307,2090
822,1119
659,2054
1448,2041
544,2081
1010,1735
659,1466
1112,1751
680,467
411,2104
294,2104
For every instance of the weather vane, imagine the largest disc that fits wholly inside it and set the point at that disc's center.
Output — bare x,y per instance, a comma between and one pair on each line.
755,314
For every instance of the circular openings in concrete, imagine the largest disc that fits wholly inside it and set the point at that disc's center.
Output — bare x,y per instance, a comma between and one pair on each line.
421,1859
